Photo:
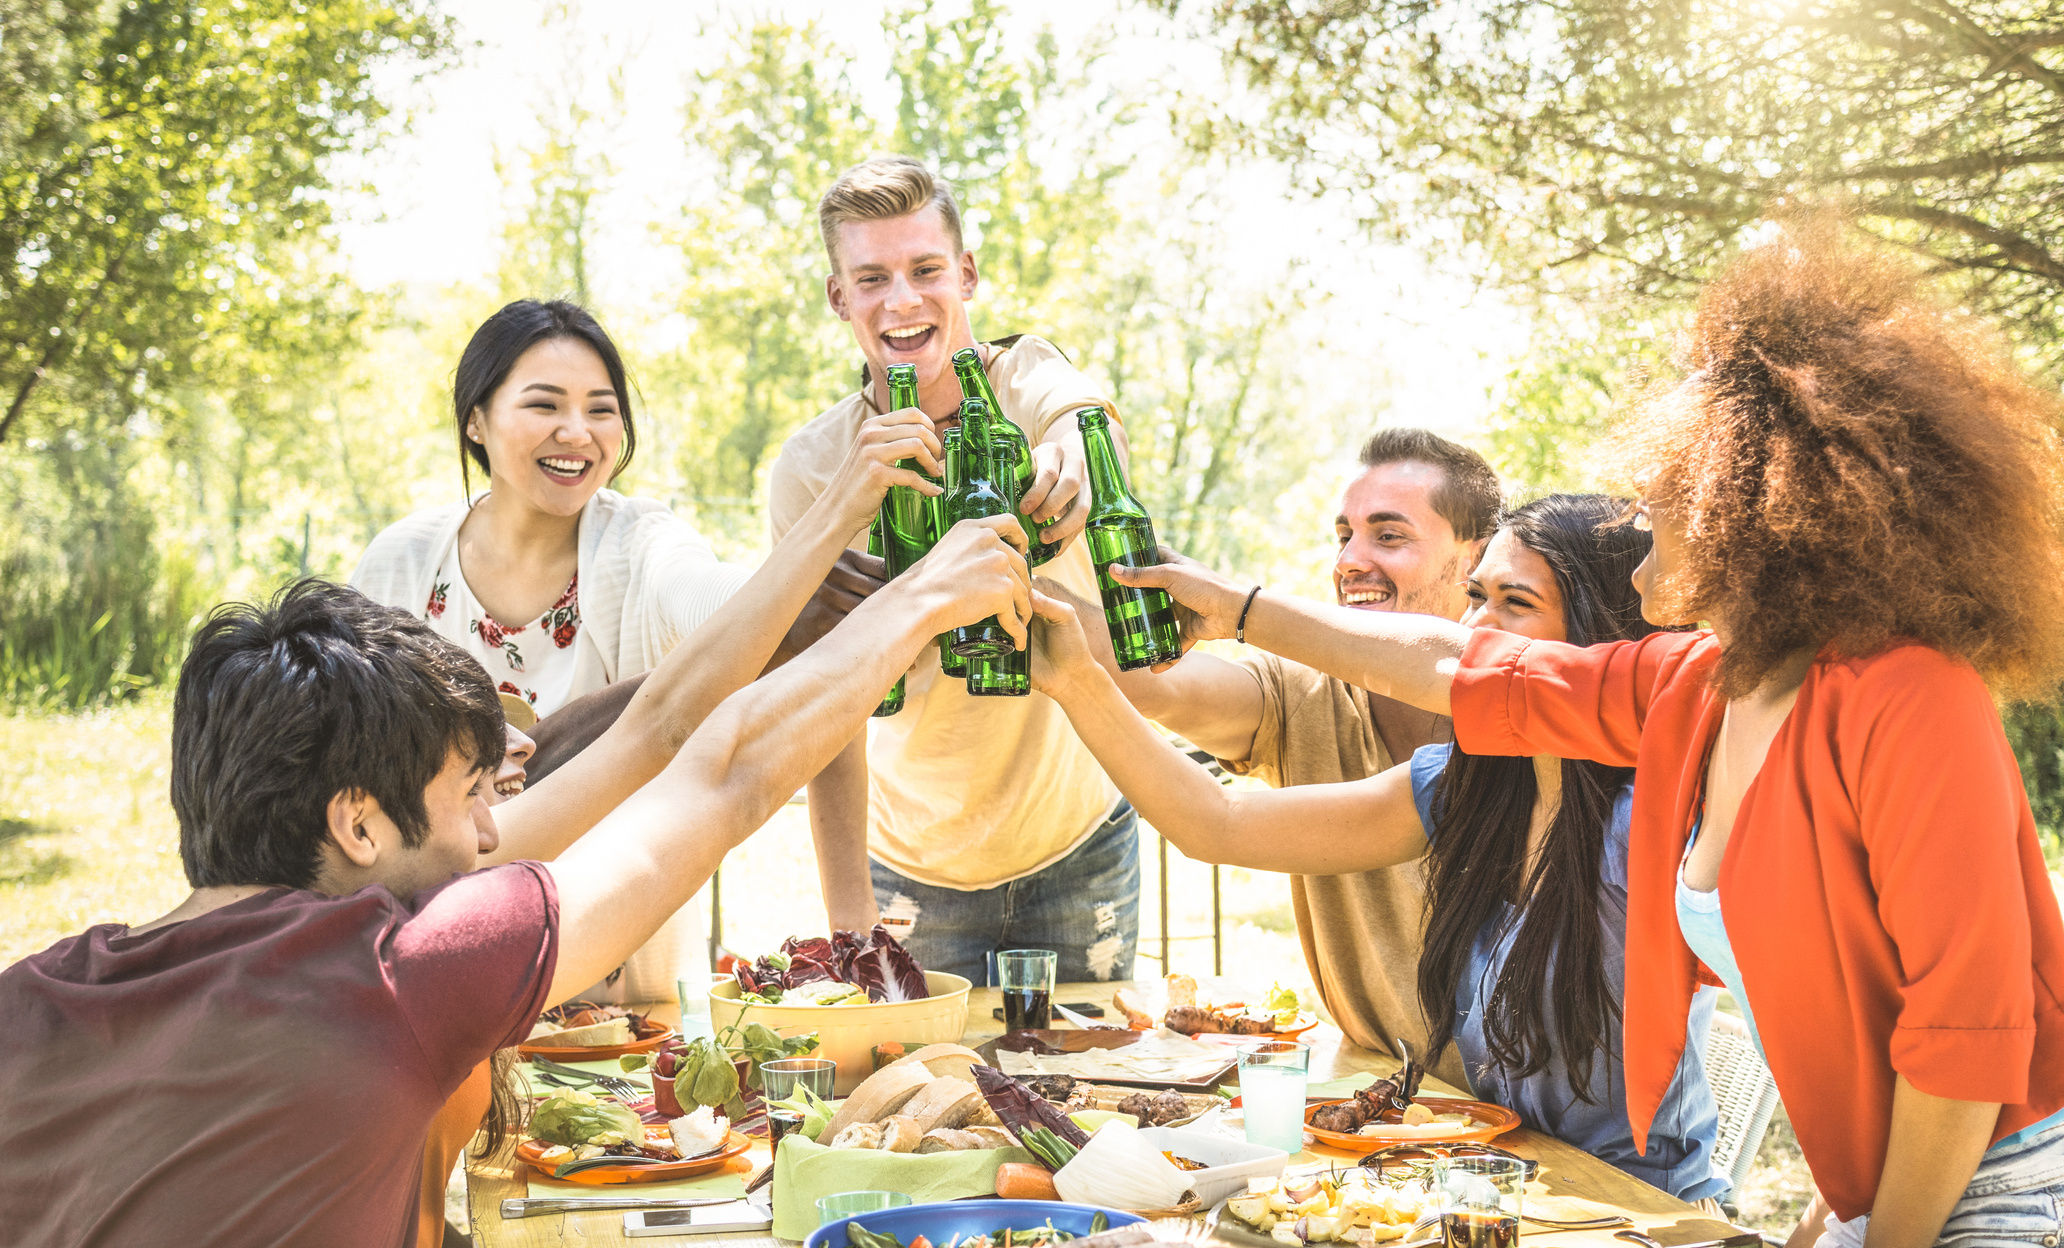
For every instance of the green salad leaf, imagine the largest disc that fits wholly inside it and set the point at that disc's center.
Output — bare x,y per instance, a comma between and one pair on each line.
574,1117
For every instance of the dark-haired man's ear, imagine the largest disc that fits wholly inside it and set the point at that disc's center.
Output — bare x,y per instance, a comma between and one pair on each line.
349,815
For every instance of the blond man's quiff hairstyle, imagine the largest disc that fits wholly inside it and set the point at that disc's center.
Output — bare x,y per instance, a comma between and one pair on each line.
881,188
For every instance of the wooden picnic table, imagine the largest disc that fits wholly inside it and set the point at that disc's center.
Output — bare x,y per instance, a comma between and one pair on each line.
1571,1183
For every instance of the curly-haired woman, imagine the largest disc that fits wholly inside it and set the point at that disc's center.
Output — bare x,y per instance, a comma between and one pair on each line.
1526,916
1857,492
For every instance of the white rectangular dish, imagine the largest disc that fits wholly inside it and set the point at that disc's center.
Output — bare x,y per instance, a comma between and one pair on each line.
1228,1162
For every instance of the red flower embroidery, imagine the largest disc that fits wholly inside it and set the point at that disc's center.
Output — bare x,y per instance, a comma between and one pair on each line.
506,687
437,594
563,620
496,637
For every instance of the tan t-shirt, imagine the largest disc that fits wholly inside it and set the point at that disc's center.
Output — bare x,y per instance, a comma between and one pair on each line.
968,792
1362,933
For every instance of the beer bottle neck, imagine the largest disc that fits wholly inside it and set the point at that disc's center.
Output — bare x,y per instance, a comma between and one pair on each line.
1108,493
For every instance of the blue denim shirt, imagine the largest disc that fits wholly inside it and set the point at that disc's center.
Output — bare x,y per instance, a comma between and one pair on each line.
1680,1141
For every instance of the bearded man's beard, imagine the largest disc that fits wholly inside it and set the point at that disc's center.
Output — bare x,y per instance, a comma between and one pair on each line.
1437,596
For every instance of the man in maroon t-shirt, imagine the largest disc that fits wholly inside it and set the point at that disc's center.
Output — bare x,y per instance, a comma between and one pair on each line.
260,1065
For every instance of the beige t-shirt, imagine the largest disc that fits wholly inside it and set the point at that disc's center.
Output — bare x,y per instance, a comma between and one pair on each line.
968,792
1362,933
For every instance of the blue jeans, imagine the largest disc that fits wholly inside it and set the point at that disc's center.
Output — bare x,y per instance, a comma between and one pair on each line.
1084,907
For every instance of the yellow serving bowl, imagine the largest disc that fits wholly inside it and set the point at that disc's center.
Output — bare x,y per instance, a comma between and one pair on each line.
847,1034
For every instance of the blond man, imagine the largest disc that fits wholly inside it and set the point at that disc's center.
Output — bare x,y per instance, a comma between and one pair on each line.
982,819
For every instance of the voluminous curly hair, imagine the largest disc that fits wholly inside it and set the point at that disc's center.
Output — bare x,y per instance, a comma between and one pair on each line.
1854,462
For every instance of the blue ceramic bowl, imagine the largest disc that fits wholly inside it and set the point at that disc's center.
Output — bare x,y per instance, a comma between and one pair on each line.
944,1220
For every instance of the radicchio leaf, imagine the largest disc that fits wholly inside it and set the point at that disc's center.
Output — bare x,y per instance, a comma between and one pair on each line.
748,980
804,970
887,971
816,948
846,946
1020,1108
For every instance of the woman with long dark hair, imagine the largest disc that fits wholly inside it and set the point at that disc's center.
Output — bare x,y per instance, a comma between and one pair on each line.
1856,489
1527,878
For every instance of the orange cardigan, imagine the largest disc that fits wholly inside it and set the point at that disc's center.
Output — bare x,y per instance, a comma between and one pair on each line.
1883,888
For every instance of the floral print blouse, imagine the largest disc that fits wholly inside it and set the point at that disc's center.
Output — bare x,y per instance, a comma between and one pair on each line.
534,660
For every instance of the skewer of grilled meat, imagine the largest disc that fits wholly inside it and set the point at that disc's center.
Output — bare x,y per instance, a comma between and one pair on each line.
1191,1020
1371,1103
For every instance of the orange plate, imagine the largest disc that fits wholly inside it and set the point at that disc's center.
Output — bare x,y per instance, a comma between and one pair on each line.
650,1037
1497,1119
607,1176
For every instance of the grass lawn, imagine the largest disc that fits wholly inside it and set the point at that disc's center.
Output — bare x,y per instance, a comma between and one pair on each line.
87,836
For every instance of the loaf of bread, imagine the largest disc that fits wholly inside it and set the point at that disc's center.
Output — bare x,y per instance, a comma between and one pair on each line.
882,1093
944,1103
945,1060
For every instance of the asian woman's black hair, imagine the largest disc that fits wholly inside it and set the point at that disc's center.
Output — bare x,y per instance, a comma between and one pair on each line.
494,350
1484,807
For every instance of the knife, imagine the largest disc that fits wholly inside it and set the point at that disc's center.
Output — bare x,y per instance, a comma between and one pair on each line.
1747,1239
520,1207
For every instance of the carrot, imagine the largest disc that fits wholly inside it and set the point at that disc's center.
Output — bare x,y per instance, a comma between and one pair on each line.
1020,1180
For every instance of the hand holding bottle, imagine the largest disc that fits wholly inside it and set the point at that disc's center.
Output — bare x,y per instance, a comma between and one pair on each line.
1207,604
975,571
873,464
1058,498
1063,650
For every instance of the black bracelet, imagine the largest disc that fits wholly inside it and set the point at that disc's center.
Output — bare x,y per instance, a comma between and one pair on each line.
1240,631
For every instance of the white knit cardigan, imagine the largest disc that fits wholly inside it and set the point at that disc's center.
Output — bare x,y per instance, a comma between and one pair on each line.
647,578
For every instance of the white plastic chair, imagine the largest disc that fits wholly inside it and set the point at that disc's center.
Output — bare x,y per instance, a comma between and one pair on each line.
1745,1093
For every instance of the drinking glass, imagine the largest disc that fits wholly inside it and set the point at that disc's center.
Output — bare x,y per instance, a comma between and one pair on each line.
846,1204
779,1079
1272,1081
1027,979
1479,1200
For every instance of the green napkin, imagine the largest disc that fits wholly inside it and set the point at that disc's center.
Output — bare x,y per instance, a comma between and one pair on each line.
1342,1087
804,1171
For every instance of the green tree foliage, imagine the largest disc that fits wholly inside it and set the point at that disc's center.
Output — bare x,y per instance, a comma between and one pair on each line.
1134,292
166,300
1625,147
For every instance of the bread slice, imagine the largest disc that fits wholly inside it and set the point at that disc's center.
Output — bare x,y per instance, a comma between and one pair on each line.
615,1031
948,1061
900,1134
944,1103
882,1093
947,1140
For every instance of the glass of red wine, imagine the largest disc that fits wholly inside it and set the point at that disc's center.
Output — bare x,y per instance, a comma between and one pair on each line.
1027,979
1480,1199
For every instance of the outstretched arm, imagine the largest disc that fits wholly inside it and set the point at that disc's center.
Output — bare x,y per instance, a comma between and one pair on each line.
650,855
1213,704
1411,658
728,651
1313,829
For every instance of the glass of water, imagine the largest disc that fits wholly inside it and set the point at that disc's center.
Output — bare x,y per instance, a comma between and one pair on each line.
1273,1074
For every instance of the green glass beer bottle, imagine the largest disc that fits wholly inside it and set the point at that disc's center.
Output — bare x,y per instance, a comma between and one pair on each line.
906,513
1005,675
982,490
974,384
877,547
950,664
1142,621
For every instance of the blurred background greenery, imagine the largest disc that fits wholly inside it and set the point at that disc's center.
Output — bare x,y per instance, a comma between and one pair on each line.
201,394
